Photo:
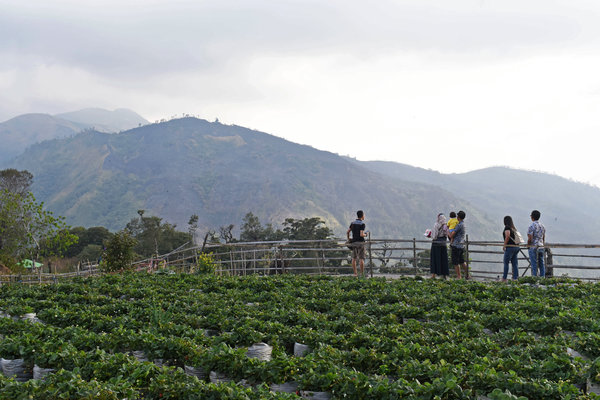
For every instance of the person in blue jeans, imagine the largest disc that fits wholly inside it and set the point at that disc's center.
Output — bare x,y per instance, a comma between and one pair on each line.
536,236
511,248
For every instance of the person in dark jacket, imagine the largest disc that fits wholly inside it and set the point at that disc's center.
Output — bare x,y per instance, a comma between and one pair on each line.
357,227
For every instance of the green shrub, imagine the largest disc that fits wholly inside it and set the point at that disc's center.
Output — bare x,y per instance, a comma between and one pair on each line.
205,264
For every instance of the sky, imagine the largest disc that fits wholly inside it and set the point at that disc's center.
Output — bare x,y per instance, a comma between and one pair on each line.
451,86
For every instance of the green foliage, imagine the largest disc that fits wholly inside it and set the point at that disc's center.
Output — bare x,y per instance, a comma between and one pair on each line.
119,253
306,229
27,230
205,264
94,236
17,182
154,236
91,252
253,231
370,339
498,394
293,229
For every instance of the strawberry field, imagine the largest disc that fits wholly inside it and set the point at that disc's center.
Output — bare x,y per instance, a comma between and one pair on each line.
144,336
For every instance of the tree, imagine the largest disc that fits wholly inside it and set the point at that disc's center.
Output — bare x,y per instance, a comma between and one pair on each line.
94,236
154,236
17,182
193,226
226,234
251,230
27,230
119,253
306,229
293,229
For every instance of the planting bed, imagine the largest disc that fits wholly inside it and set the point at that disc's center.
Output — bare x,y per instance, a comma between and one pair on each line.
142,336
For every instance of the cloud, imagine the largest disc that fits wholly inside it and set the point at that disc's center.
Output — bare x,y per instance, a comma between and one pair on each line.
414,77
143,39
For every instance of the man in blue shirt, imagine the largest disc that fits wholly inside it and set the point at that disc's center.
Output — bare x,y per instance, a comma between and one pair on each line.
536,236
357,227
457,246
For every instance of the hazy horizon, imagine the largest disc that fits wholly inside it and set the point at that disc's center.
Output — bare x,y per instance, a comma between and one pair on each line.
448,87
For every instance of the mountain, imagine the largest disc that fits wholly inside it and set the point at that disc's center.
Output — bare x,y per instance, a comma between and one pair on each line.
25,130
20,132
190,166
568,208
102,120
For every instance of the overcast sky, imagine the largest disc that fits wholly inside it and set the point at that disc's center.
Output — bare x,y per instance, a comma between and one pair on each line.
447,85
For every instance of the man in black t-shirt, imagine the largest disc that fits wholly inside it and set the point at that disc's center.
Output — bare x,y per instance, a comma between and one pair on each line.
357,228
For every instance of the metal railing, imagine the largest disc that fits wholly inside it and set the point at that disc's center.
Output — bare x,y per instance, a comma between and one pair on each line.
384,257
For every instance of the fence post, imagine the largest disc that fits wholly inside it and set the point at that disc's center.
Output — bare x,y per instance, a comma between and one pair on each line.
323,255
548,262
317,259
281,259
415,254
243,262
370,255
467,275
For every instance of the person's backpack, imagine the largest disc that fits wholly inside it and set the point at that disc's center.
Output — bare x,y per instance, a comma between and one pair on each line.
518,239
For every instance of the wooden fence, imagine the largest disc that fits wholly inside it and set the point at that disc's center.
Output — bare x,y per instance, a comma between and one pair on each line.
39,277
384,257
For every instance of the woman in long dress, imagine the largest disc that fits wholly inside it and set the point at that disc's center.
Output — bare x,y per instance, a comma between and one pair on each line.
439,250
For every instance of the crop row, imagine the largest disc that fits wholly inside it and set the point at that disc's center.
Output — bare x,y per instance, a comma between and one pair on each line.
368,338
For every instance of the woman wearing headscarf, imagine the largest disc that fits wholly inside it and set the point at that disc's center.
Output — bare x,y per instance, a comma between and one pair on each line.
439,251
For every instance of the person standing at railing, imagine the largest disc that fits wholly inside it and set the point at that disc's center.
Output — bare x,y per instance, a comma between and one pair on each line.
439,251
511,248
357,227
536,236
457,246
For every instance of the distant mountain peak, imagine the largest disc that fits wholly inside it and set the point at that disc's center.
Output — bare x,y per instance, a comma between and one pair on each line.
103,120
22,131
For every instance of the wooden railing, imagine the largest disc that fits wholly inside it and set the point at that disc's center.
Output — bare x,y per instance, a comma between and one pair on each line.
384,257
39,277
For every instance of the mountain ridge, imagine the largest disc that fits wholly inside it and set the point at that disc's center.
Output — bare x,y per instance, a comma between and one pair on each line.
25,130
188,166
219,172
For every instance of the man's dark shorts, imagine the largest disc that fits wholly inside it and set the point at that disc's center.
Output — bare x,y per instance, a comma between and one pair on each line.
358,250
458,255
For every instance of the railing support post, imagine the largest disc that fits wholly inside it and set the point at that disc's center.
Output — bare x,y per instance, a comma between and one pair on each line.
370,255
467,275
415,254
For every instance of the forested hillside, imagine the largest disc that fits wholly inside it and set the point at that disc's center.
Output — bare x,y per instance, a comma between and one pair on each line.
569,209
221,172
